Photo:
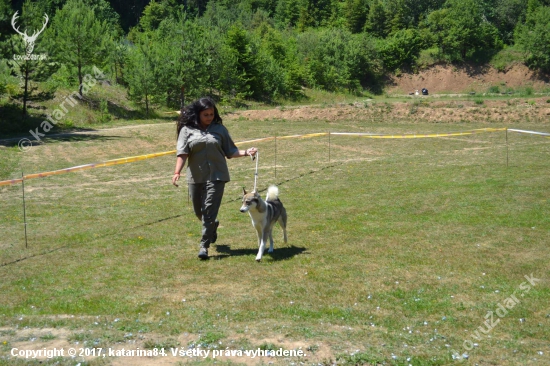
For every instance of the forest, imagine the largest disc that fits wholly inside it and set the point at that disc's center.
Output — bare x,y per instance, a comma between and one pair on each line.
164,52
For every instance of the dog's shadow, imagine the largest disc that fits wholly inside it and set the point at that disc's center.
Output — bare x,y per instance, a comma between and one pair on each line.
277,255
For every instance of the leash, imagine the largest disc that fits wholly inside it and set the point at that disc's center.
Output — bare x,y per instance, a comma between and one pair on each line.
257,157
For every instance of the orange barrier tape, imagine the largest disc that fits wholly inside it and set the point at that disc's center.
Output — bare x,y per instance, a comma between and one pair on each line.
10,182
88,166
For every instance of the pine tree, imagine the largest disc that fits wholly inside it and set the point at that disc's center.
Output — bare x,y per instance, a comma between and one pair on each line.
356,15
30,61
247,70
287,13
377,20
79,37
140,75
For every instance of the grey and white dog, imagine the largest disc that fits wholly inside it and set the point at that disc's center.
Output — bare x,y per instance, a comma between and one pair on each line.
264,215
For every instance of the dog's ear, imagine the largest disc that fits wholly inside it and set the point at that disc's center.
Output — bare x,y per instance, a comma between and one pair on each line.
244,191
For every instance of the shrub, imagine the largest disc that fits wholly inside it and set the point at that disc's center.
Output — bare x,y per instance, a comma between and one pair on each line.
401,49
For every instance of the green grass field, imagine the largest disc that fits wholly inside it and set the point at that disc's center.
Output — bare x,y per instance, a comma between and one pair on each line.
400,251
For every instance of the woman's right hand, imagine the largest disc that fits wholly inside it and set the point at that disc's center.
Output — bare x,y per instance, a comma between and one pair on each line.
175,179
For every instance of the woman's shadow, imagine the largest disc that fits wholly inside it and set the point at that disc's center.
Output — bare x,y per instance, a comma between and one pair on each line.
277,255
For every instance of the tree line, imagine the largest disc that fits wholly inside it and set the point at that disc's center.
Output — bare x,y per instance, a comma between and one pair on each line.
238,50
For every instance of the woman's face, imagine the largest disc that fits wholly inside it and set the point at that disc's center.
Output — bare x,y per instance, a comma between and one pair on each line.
206,117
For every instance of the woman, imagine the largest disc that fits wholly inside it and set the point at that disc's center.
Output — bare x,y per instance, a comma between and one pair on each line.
204,142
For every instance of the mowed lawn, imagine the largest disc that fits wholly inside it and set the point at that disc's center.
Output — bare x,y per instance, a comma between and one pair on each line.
400,251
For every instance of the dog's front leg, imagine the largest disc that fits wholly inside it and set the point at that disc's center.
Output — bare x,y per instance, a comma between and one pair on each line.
261,250
261,244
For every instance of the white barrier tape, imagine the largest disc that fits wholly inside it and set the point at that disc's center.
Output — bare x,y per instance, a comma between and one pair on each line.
416,136
530,132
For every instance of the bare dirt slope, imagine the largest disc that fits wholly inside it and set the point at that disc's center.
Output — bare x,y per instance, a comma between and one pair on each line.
461,79
500,112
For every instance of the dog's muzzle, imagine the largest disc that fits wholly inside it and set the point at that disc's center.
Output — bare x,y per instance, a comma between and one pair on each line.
245,209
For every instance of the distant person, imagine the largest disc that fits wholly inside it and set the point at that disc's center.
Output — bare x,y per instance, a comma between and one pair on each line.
204,142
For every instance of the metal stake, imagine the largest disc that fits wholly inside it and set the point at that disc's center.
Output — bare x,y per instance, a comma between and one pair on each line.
24,210
257,156
329,147
275,157
507,158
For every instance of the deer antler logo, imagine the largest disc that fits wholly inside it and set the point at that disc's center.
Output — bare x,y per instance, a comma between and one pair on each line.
29,40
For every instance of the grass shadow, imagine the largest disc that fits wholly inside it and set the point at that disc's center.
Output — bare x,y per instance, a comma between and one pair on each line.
121,112
277,255
74,136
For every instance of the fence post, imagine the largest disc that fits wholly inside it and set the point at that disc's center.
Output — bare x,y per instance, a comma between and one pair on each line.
329,147
275,157
24,209
507,147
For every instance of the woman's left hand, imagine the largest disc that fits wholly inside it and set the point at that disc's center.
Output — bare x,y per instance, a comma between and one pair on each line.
252,151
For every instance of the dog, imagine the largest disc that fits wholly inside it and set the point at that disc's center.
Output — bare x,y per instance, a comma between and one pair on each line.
264,215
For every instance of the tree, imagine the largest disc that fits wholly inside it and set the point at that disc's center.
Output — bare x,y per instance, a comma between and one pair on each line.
117,52
240,45
280,73
314,13
356,12
29,60
534,38
398,16
153,14
5,15
363,61
377,20
140,75
79,37
416,11
287,13
335,59
460,29
221,17
182,48
400,49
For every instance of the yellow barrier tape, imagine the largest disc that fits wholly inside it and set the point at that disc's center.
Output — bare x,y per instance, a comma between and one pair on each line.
256,140
282,138
156,155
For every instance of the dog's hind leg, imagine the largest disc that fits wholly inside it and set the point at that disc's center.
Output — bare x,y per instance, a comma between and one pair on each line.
270,241
282,222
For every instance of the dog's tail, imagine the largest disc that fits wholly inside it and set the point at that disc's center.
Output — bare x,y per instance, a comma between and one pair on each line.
272,193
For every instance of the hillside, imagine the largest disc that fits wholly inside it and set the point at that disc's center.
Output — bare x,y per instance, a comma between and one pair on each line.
467,78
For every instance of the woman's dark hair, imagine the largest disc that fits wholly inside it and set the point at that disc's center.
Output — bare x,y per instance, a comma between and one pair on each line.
190,114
